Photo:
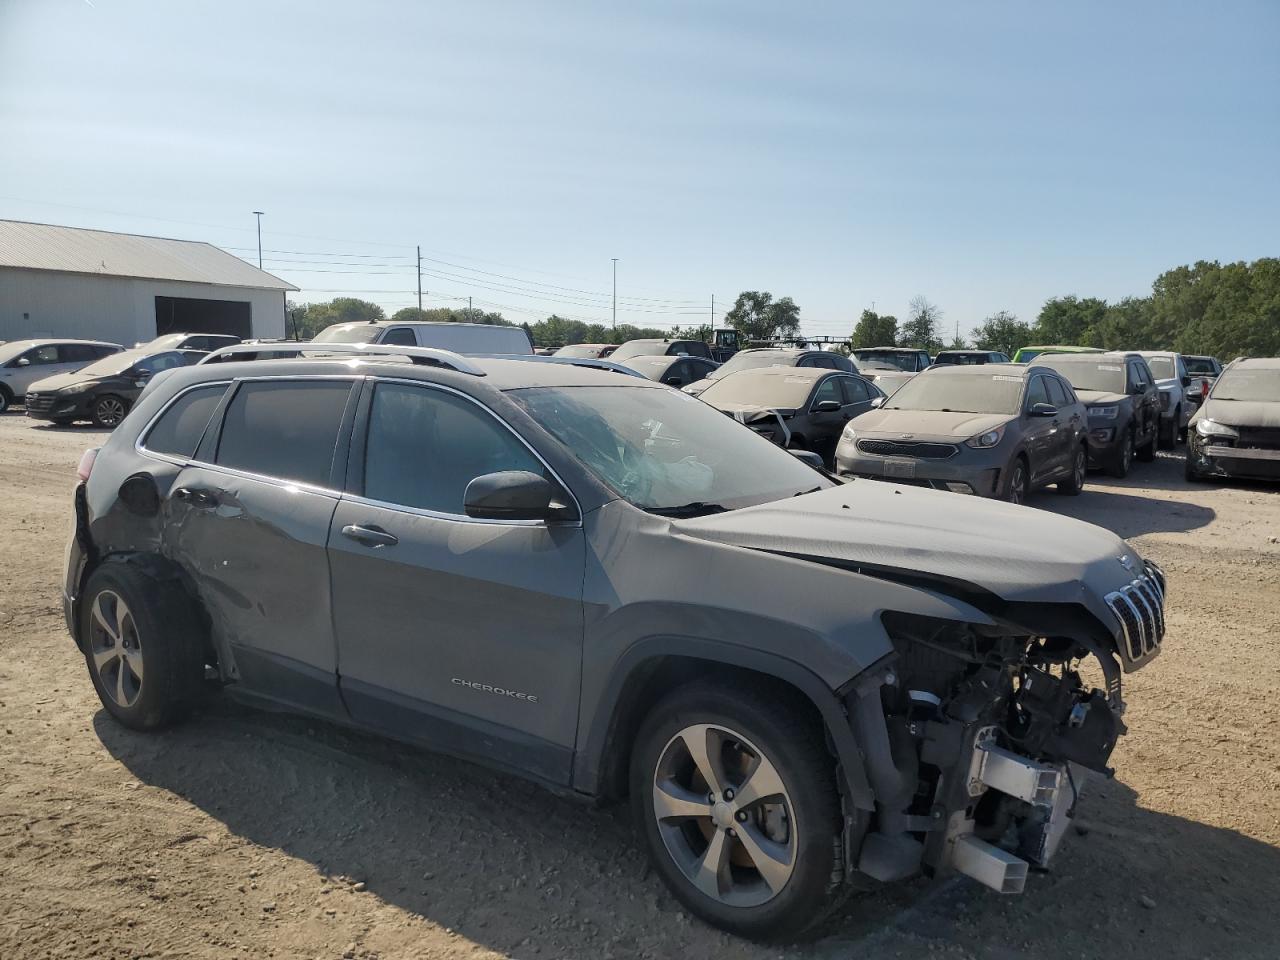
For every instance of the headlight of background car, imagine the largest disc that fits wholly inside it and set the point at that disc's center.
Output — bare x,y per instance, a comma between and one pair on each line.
75,388
1212,428
1106,413
988,439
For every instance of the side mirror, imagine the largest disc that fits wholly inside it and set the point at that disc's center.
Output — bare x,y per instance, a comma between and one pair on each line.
809,457
515,495
877,402
827,406
23,362
1043,410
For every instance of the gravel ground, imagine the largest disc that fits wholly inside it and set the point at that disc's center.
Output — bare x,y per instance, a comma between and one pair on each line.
244,834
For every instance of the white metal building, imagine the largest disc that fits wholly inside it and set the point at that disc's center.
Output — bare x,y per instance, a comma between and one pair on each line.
69,282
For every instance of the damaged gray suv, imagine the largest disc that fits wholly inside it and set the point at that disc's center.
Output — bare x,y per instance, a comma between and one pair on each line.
595,582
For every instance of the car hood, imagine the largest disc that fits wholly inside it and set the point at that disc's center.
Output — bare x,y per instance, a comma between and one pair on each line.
59,381
929,423
746,412
1242,413
1094,398
1020,554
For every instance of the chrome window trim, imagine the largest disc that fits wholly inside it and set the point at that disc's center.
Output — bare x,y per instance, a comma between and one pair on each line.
139,444
374,380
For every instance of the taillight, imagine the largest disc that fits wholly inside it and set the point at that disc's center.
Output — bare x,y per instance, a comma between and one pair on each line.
85,467
1204,389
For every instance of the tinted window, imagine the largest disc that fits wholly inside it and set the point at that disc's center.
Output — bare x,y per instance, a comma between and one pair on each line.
97,353
400,336
162,361
855,390
426,445
1036,392
1201,365
79,353
1057,395
284,429
179,429
829,390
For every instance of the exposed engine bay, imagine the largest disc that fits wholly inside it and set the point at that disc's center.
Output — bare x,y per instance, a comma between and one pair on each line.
978,744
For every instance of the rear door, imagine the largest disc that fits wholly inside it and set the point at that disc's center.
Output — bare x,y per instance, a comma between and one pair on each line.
248,519
464,634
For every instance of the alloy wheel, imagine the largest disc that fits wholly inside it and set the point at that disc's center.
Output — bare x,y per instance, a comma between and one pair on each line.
1080,469
724,815
115,648
1018,484
109,411
1126,454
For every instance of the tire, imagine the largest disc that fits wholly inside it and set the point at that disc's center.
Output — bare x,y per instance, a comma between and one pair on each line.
6,399
62,422
1073,484
1168,436
155,684
108,411
1189,469
777,743
1147,452
1018,483
1124,458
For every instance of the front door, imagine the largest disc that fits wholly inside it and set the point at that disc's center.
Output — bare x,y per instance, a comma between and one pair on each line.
464,634
1041,433
248,519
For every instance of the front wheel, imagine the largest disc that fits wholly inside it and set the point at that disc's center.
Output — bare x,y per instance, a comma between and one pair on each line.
1124,457
6,399
1074,483
734,794
1169,430
108,411
1017,487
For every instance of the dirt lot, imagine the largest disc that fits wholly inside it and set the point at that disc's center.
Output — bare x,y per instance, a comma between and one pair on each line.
252,835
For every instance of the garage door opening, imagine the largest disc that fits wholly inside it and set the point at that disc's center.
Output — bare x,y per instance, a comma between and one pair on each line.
189,315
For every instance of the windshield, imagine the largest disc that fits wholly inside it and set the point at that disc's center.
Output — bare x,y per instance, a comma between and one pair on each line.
1200,366
1252,385
785,391
996,393
1161,368
1092,375
116,363
903,361
348,333
663,450
892,382
751,360
580,351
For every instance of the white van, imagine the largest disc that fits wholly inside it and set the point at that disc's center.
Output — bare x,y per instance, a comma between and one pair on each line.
458,337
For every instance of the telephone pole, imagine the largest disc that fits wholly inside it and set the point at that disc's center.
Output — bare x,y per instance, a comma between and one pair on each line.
615,292
258,214
713,313
419,282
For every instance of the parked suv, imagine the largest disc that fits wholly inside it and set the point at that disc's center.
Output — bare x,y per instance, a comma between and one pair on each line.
23,362
1122,402
590,580
658,348
1236,433
904,358
997,430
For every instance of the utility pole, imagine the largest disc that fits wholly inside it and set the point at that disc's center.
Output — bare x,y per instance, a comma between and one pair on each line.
713,316
470,318
258,214
615,292
419,282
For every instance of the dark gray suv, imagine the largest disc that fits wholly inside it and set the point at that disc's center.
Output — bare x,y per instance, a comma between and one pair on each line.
590,579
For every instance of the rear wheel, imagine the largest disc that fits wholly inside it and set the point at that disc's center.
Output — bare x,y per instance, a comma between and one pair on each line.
734,794
6,398
1074,483
1124,457
1169,430
1018,484
108,411
143,646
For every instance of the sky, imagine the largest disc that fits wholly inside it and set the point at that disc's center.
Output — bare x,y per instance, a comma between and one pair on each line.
986,155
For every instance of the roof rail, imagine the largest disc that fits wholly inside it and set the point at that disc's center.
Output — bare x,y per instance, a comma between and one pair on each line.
425,356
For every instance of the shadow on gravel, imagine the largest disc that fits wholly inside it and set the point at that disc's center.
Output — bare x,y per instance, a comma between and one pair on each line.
1127,516
509,866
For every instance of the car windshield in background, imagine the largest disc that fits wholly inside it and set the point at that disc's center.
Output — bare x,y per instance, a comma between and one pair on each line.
903,361
115,363
753,361
348,333
891,382
1102,376
1161,368
1200,367
665,451
579,351
967,393
1252,385
784,391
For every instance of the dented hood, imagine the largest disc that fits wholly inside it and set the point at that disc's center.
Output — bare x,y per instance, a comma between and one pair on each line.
1018,553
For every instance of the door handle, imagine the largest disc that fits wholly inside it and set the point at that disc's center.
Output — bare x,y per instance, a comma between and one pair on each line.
370,536
201,499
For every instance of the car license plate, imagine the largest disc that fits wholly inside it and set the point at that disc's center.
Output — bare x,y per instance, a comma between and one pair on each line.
900,467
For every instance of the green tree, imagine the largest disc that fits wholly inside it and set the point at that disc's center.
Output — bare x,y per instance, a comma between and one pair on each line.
1068,321
922,325
759,317
875,330
1002,331
310,318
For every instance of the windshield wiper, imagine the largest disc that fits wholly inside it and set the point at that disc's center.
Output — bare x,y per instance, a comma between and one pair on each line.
698,508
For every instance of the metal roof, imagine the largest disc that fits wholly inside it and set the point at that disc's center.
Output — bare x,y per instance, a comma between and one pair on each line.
43,246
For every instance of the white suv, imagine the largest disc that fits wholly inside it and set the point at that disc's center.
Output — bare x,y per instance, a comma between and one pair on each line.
22,362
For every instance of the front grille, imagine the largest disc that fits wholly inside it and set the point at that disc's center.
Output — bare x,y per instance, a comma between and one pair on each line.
908,448
1140,609
40,402
1268,438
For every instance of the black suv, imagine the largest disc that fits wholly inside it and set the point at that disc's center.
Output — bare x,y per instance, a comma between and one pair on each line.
589,579
1123,403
